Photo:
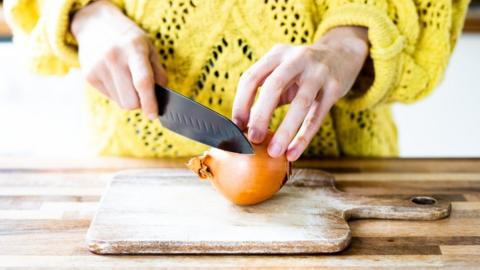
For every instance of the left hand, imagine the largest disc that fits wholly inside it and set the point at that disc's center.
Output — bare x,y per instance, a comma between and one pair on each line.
311,78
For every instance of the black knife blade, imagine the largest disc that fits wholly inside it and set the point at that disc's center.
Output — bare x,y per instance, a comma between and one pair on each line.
197,122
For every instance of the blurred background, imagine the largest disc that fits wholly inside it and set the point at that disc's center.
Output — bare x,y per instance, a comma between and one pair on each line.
46,116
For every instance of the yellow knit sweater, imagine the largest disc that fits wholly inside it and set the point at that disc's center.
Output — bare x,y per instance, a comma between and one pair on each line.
206,45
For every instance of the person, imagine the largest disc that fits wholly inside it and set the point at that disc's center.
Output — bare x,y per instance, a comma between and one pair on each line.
323,74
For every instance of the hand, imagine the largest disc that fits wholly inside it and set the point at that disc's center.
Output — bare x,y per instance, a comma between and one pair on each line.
117,57
310,78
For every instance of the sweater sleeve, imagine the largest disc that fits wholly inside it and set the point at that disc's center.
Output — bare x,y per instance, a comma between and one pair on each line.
41,28
410,45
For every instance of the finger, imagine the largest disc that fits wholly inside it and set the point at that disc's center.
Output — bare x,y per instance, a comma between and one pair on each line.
107,81
297,111
247,87
288,95
160,75
96,83
275,84
310,125
143,80
124,87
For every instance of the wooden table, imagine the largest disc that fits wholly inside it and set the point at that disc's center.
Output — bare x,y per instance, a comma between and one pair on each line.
46,207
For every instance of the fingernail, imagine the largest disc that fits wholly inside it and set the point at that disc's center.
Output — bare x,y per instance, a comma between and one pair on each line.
275,149
163,81
238,122
254,135
152,116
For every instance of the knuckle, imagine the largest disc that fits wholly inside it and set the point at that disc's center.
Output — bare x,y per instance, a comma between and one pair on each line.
310,124
296,58
302,101
258,119
284,135
250,76
143,83
113,55
334,87
321,69
130,105
312,79
139,43
302,141
301,52
310,51
91,78
239,107
276,83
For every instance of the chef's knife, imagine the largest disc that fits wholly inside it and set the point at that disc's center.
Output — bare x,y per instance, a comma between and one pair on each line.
197,122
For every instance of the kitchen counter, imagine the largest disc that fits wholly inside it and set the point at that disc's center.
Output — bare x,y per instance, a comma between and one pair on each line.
46,207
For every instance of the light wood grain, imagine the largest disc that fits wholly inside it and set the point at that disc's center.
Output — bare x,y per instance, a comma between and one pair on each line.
376,228
460,250
60,243
211,262
408,177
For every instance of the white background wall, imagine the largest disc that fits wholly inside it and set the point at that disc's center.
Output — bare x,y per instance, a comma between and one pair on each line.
447,123
46,116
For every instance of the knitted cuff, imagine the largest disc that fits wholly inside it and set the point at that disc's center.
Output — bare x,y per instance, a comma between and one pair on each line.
60,38
386,44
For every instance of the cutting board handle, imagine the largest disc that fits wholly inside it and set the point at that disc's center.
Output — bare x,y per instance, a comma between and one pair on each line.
416,207
413,207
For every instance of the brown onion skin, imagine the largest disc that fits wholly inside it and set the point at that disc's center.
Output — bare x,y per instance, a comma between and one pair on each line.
247,179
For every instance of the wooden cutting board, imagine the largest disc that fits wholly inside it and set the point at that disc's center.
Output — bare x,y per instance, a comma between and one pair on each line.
172,211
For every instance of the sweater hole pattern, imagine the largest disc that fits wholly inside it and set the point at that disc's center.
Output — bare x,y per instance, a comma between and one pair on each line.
151,134
291,22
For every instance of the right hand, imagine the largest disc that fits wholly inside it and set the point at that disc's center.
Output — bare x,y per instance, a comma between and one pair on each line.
117,57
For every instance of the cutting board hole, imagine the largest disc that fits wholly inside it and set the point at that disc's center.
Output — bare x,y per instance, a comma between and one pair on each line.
423,200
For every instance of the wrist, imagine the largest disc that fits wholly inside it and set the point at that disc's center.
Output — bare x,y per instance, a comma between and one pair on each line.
352,39
93,13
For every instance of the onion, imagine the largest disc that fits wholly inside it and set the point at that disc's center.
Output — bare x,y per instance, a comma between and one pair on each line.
243,179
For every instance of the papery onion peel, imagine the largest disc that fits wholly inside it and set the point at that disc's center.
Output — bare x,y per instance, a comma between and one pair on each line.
243,179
